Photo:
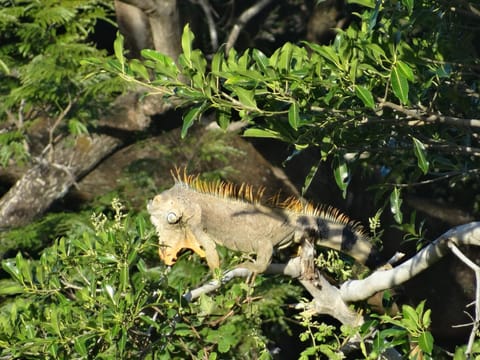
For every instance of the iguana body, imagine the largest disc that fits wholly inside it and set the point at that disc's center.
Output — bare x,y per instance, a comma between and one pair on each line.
199,215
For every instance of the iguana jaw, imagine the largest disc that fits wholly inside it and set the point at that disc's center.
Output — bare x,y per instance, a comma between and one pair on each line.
169,250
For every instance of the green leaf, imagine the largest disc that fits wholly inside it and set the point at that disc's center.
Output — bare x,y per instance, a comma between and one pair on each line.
192,115
405,70
409,5
285,57
246,97
365,95
366,3
328,53
309,177
217,62
110,290
118,50
341,174
420,154
374,16
11,288
426,321
425,341
224,118
260,59
399,84
139,69
262,133
294,115
395,205
187,40
10,267
163,64
410,313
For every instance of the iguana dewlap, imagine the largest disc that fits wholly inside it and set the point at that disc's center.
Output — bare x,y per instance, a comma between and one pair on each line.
199,215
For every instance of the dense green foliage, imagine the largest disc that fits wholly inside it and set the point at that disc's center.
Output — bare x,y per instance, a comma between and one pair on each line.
93,295
388,97
42,45
386,94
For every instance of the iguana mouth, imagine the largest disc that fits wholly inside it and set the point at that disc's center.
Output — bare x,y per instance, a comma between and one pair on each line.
169,254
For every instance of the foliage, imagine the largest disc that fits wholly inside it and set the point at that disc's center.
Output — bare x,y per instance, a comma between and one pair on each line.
358,101
92,295
42,44
409,332
388,97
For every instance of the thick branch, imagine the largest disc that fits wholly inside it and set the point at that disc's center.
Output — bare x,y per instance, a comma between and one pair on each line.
47,181
355,290
430,118
50,179
246,16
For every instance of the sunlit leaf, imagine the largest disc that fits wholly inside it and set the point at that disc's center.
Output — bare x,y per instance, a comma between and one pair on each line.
192,115
310,176
246,97
420,154
395,205
118,49
367,3
341,174
260,59
187,40
425,341
365,95
294,115
405,70
409,5
261,133
399,84
139,69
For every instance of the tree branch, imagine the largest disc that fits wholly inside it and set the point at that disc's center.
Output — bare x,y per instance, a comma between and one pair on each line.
50,178
476,269
424,118
355,290
246,16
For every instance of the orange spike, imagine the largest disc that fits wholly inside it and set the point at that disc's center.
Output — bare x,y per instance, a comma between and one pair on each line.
246,192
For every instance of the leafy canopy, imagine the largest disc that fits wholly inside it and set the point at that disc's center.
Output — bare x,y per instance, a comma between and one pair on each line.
386,95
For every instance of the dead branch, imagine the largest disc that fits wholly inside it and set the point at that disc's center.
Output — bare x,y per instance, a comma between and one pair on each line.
49,179
207,10
246,16
426,118
355,290
330,300
476,322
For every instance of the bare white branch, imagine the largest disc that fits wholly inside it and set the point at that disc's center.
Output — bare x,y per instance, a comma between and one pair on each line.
355,290
476,269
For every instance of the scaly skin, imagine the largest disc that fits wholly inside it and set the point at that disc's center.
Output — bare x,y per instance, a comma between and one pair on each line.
198,216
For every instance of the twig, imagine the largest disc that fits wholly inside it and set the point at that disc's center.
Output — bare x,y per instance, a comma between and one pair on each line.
215,284
441,177
430,118
476,269
246,16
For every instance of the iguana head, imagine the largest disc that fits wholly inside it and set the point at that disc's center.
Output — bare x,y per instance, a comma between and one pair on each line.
170,215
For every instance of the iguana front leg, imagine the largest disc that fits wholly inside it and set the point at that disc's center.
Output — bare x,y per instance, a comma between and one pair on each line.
263,251
209,246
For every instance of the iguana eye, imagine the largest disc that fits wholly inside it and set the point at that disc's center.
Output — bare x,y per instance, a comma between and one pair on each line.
173,218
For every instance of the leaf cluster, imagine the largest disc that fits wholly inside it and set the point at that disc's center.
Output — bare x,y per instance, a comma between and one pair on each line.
92,294
42,73
354,101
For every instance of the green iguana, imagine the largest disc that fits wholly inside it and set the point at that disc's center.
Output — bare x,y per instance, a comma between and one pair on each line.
200,215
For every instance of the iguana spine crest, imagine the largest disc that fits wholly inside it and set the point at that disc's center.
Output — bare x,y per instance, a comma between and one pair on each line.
247,193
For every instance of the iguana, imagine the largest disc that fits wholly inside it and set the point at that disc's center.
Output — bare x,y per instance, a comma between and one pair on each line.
199,215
